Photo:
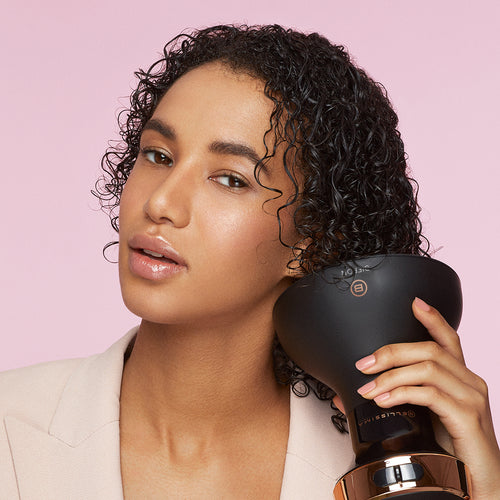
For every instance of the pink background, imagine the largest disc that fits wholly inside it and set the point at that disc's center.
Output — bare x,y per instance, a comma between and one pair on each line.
64,66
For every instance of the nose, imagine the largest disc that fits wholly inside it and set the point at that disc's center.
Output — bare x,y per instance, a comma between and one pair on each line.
171,201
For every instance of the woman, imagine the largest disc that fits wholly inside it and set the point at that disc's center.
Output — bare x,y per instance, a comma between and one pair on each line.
252,156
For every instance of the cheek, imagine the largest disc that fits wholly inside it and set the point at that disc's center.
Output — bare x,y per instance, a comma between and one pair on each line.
129,217
126,202
130,197
247,240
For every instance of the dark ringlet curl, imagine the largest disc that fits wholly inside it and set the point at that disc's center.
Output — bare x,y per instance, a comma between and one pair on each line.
340,135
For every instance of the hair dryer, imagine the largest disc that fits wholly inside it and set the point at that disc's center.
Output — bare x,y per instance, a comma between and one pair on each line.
329,320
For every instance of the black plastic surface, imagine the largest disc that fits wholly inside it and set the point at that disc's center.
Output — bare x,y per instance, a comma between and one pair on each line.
326,322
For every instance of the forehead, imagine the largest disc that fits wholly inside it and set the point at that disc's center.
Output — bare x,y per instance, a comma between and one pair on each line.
223,76
233,103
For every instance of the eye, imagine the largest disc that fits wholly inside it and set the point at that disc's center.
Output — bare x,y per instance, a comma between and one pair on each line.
231,181
157,157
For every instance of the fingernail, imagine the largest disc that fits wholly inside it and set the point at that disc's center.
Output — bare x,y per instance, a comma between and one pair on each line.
422,305
366,362
382,397
365,389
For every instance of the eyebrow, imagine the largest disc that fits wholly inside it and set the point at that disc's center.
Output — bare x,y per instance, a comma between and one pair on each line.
160,127
237,149
218,147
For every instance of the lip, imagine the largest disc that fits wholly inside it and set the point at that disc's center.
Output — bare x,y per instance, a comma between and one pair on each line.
149,267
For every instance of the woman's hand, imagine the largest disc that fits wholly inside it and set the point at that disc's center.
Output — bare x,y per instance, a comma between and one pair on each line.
434,374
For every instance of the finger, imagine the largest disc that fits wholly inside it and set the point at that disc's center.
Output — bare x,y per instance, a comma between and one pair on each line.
427,373
470,428
393,356
460,420
438,328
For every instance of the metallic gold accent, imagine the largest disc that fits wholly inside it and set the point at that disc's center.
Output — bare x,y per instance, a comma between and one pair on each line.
359,288
441,473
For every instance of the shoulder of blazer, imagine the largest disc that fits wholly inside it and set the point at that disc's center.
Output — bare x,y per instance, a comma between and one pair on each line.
32,392
54,416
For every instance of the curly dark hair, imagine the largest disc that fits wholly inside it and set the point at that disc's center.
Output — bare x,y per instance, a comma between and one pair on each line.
339,130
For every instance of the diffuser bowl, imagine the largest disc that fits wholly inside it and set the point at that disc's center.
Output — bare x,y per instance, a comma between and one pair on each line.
329,320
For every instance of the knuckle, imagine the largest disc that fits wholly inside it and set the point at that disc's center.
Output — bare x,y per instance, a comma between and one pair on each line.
429,369
482,387
385,353
406,392
402,393
384,379
433,350
432,393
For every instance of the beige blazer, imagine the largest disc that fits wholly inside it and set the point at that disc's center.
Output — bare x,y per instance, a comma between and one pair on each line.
59,438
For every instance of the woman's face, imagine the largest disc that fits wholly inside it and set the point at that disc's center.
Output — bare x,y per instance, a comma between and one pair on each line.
198,242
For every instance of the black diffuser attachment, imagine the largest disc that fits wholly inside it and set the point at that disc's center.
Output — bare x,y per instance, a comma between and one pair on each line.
329,320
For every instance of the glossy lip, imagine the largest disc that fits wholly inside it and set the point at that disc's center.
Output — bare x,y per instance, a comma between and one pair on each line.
149,267
156,244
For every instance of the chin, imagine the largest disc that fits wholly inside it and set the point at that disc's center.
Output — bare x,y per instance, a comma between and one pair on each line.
147,309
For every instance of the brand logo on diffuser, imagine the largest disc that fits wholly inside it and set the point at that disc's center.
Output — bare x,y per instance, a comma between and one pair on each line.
359,288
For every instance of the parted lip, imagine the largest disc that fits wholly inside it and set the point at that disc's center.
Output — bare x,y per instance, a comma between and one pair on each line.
156,244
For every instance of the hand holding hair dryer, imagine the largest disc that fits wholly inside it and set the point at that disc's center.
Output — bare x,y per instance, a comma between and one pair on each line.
329,320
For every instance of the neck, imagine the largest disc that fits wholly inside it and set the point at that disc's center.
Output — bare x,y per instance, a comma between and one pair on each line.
199,381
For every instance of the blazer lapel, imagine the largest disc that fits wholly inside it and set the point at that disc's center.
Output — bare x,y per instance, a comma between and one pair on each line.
47,467
78,457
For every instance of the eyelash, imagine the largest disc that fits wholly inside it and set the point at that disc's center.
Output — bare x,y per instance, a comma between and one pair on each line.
230,175
166,159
